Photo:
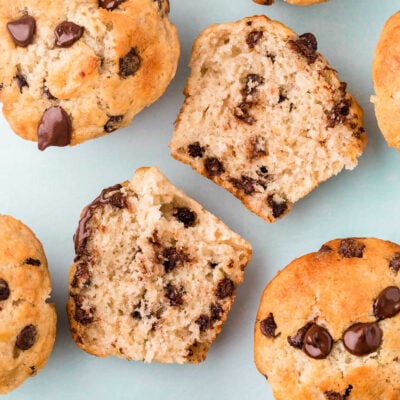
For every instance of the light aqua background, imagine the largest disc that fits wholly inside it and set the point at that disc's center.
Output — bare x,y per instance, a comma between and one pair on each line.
47,191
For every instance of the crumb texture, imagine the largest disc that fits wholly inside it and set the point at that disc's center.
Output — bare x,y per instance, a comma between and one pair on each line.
265,115
155,274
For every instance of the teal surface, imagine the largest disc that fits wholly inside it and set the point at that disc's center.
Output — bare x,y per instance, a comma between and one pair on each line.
47,191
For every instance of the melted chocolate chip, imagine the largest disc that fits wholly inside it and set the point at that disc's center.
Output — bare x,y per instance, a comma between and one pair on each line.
394,263
113,123
84,316
225,288
174,295
117,200
33,261
278,208
22,30
361,339
195,150
4,290
82,276
186,216
54,128
21,82
339,113
26,338
297,340
253,38
67,33
110,4
129,64
306,45
245,183
350,248
242,112
216,312
253,81
317,342
173,258
268,326
213,166
136,315
333,395
203,322
387,304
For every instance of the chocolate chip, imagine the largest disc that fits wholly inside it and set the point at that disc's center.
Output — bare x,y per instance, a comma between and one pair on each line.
136,315
186,216
253,38
213,265
4,290
306,45
84,316
245,183
173,258
242,112
22,30
195,150
33,261
113,123
117,200
67,33
361,339
257,148
33,369
174,295
351,248
82,276
347,392
271,56
387,304
21,82
297,340
317,342
129,64
213,166
216,312
225,288
278,207
253,81
264,170
333,395
1,86
268,326
54,128
48,94
26,338
110,4
395,262
203,322
339,113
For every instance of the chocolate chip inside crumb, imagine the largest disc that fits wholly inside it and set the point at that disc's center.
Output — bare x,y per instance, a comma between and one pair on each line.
186,216
173,258
129,64
253,81
216,312
174,295
245,183
4,290
26,338
195,150
278,207
268,326
33,261
136,315
339,113
350,248
113,123
297,340
253,38
203,322
21,81
394,263
225,288
306,45
83,314
213,166
242,112
82,276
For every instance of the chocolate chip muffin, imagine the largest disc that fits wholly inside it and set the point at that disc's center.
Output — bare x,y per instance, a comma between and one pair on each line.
328,324
265,115
295,2
28,322
75,70
386,78
154,275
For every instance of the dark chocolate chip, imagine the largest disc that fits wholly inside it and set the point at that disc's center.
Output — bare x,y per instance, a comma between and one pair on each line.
33,261
213,265
22,30
216,312
4,290
129,64
333,395
278,208
306,45
245,183
225,288
253,81
339,113
282,98
350,248
84,316
67,33
136,315
174,295
242,112
33,369
21,82
253,38
186,216
113,123
213,166
173,258
394,263
347,392
361,339
297,340
257,147
317,342
203,322
195,150
268,326
26,338
264,170
110,4
82,276
54,128
48,94
387,304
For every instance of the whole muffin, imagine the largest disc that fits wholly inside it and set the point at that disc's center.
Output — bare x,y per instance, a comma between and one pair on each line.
75,70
